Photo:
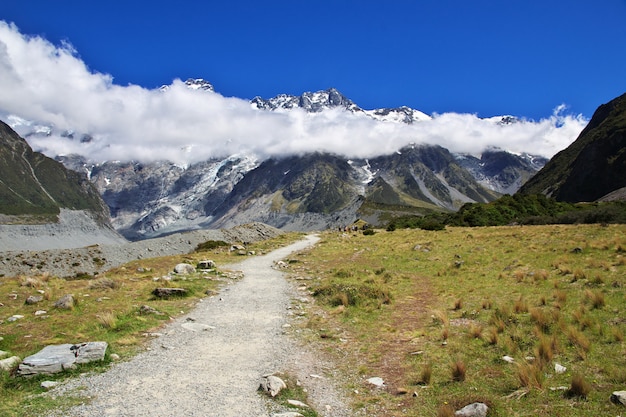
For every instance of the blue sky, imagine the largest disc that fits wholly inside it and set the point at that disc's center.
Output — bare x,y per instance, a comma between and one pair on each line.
483,57
96,67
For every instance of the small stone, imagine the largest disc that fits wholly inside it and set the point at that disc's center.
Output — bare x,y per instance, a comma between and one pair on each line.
67,302
40,312
508,359
49,384
15,317
115,357
288,414
196,327
618,397
34,299
297,403
3,354
473,410
168,292
559,369
9,363
184,269
272,385
376,381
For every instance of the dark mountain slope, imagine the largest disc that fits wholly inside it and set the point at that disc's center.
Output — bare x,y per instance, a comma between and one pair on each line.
591,167
32,184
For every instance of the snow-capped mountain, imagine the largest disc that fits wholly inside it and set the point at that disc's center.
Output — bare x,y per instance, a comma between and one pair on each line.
308,191
331,98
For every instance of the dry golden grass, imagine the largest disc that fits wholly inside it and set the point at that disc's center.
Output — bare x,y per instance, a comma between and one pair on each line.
458,370
523,285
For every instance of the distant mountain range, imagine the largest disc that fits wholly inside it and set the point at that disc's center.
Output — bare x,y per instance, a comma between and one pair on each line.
301,192
320,190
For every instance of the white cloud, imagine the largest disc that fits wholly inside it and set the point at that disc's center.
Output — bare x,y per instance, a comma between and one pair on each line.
50,84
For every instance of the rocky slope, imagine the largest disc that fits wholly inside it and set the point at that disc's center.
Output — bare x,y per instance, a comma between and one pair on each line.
94,259
304,192
45,205
591,167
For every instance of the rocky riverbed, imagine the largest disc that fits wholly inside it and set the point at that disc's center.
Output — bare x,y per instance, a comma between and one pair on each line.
97,258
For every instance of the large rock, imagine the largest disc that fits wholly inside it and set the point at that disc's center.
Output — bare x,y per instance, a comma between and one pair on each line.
9,363
66,302
169,292
473,410
206,264
185,269
57,358
618,397
272,385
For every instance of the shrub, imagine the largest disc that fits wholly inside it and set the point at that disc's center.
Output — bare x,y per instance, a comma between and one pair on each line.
530,376
445,410
544,351
458,371
492,336
578,387
595,298
108,320
578,338
475,331
542,319
210,245
521,306
352,295
426,374
369,232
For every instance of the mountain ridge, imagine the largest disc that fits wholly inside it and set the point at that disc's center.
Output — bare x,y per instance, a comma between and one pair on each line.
593,165
310,190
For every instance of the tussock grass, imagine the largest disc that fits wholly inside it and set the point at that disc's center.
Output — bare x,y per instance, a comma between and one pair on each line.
595,298
107,310
524,285
578,387
108,320
103,283
459,370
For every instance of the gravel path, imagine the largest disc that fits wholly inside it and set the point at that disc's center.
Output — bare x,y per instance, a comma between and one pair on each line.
214,372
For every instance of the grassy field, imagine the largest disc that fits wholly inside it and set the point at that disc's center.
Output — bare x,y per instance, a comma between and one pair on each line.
108,308
432,313
435,313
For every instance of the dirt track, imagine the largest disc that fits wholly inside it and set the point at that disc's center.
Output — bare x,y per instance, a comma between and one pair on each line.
215,372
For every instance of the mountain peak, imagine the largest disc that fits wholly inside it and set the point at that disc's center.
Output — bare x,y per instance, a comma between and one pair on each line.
199,84
312,102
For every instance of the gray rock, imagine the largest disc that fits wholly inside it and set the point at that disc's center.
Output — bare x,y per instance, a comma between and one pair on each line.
67,302
168,292
57,358
618,397
34,299
207,264
272,385
196,327
49,384
376,381
473,410
185,269
297,403
288,414
9,363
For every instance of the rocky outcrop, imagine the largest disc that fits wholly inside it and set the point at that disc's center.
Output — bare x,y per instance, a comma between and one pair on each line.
99,258
57,358
593,165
